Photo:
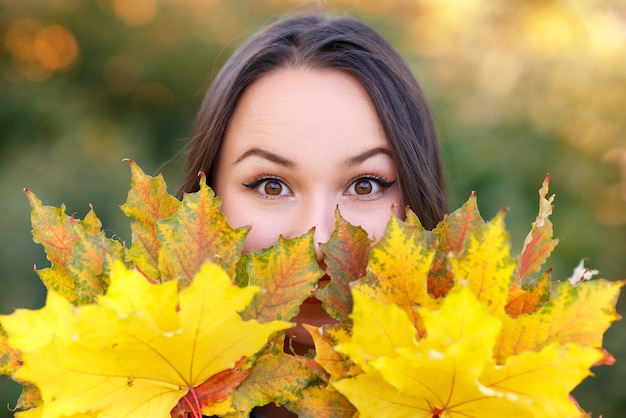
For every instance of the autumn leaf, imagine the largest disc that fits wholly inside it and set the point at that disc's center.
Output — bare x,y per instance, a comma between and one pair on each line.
528,298
147,202
456,227
539,244
9,357
337,365
450,372
574,314
398,268
388,327
287,273
322,402
140,349
486,265
345,255
197,233
452,233
275,377
79,252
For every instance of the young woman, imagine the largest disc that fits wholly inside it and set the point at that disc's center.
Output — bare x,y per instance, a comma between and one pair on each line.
312,114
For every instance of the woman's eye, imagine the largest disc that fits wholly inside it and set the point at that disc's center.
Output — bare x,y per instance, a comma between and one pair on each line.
364,187
269,187
368,186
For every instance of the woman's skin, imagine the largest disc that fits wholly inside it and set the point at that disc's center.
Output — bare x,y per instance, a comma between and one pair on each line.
301,143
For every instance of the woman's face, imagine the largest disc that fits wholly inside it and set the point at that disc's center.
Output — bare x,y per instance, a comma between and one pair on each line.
301,143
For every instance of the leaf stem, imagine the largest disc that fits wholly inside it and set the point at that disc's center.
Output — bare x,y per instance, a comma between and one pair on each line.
196,412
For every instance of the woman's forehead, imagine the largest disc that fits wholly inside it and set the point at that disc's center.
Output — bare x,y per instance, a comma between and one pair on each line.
306,106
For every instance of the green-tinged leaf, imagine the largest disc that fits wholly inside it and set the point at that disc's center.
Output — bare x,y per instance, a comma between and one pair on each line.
287,273
485,264
147,202
530,297
398,268
79,251
53,229
575,314
539,243
9,357
29,398
275,378
322,402
456,227
197,233
452,233
345,255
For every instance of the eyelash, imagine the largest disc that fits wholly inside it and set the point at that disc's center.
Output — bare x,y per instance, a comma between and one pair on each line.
260,180
382,182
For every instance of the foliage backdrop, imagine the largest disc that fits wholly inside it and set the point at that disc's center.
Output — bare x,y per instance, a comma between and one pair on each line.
518,90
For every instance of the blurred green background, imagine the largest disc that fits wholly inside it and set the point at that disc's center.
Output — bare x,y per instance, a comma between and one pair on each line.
519,90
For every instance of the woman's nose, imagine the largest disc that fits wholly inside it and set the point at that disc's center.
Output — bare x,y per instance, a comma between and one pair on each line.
320,216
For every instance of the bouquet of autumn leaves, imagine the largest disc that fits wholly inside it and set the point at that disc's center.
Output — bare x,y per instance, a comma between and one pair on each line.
441,323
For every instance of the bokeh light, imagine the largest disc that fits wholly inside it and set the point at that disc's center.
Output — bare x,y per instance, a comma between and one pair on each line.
37,50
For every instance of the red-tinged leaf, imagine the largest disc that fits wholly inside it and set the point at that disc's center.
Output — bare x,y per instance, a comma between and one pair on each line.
456,226
575,314
79,251
217,389
147,202
527,299
322,402
440,278
276,378
539,243
10,359
197,233
288,272
29,398
345,255
53,229
92,256
607,359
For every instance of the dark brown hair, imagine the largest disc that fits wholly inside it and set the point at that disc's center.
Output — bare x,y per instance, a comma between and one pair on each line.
342,44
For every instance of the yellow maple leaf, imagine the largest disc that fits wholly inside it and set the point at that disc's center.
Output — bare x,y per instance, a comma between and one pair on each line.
140,349
398,268
451,372
485,264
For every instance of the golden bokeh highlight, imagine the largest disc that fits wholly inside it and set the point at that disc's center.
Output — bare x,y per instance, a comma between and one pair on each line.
135,12
55,47
38,51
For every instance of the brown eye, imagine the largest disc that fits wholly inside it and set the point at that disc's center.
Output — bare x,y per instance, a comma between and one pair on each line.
368,187
273,188
269,187
363,187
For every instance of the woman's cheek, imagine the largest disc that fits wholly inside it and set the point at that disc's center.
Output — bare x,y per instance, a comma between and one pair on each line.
264,233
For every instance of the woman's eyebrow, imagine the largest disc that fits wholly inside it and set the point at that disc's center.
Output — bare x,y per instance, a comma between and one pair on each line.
358,159
257,152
